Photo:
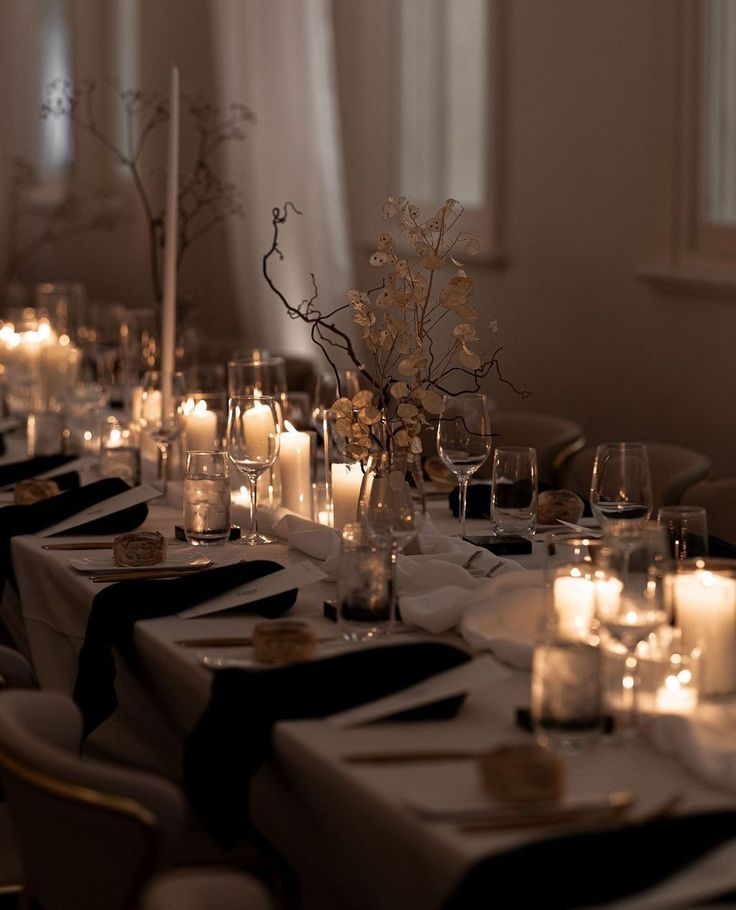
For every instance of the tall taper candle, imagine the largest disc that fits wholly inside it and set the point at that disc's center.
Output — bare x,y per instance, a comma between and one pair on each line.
168,322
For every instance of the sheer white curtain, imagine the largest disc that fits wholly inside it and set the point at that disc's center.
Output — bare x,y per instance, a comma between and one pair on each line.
277,56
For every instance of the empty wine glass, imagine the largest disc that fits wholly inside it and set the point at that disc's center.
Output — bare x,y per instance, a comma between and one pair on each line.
630,595
464,439
621,486
253,446
160,418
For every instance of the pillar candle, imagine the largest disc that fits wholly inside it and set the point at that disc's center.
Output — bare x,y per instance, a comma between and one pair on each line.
574,600
259,427
295,461
200,427
346,483
705,605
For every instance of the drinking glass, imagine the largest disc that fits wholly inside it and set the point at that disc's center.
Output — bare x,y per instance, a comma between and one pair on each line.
687,530
258,374
120,453
364,584
253,446
621,487
464,439
206,498
160,418
327,389
514,490
637,556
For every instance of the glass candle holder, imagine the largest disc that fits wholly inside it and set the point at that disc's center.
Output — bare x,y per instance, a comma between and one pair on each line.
120,451
364,585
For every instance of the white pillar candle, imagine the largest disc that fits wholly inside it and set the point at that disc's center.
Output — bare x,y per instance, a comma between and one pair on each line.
200,426
346,483
295,461
259,427
136,407
574,601
151,407
171,229
705,606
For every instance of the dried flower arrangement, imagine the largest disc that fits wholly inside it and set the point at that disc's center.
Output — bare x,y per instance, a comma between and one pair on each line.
205,199
420,336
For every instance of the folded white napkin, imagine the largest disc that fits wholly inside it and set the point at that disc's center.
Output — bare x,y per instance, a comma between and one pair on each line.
704,742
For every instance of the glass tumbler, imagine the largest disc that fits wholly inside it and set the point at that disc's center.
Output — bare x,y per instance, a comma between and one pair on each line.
514,490
364,584
687,530
206,498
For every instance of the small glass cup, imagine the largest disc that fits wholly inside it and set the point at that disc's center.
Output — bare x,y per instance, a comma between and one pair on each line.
687,530
566,692
120,452
364,586
45,433
207,498
514,490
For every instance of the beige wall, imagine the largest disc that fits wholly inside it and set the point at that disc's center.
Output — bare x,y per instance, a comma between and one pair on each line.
588,195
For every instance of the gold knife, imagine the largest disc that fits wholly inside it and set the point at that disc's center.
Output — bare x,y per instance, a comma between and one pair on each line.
84,545
104,577
387,758
234,642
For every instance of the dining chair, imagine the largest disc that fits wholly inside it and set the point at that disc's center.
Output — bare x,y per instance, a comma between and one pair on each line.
673,470
556,439
202,889
89,833
718,497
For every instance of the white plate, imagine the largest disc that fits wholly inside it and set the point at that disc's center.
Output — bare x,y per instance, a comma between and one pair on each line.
174,560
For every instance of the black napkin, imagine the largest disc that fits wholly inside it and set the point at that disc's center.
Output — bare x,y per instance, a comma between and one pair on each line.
32,467
117,608
233,735
589,869
15,520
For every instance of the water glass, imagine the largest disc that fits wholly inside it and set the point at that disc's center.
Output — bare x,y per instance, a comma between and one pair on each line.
120,453
621,486
206,498
687,530
364,584
566,693
44,433
514,490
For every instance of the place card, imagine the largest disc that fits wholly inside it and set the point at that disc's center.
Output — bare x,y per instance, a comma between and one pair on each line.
468,676
305,573
110,506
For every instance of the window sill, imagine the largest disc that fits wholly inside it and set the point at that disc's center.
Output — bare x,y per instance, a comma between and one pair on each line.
693,282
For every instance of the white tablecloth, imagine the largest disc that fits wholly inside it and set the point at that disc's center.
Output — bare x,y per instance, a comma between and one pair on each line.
347,828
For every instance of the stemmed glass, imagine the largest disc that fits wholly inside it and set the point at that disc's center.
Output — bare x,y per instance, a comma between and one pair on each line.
630,596
253,446
621,486
163,424
464,439
388,509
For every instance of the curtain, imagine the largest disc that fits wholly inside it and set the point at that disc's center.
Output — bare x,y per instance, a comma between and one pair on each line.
277,56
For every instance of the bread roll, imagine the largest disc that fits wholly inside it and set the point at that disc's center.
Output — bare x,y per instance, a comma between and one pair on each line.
139,548
559,504
283,641
524,773
34,490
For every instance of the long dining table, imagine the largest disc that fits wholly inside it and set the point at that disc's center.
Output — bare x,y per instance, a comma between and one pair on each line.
360,833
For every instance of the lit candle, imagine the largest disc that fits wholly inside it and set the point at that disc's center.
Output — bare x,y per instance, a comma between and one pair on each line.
136,402
346,483
168,325
295,461
574,600
200,426
676,696
260,426
705,605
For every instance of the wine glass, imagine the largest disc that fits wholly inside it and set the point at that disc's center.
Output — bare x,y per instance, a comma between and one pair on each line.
161,415
253,446
464,439
630,596
388,509
327,389
621,486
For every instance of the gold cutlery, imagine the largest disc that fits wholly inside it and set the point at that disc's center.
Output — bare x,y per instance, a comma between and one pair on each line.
399,757
83,545
471,559
144,574
244,641
584,812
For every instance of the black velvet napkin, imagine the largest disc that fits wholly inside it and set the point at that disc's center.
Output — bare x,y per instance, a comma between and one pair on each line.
589,869
117,608
15,520
233,736
32,467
